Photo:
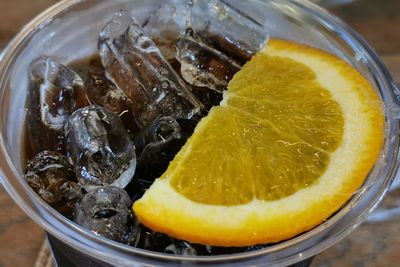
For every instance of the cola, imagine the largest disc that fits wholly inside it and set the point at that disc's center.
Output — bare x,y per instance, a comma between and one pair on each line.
55,91
52,177
103,128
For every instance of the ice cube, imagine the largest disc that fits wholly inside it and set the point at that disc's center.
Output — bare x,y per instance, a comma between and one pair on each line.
106,211
100,148
226,28
52,177
155,241
159,242
55,91
204,66
162,129
134,63
218,41
103,92
164,26
158,144
181,248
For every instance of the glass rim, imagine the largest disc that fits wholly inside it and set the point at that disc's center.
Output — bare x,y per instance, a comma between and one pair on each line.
349,36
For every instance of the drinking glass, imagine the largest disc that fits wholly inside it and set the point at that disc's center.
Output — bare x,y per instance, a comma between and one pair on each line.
68,31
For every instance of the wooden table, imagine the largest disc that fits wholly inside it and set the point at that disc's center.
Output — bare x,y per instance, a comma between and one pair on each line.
20,237
372,244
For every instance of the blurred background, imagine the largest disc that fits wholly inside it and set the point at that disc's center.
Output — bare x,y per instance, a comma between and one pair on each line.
375,243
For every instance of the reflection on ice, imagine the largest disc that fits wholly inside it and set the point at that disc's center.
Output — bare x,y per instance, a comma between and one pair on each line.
101,91
100,148
55,91
134,63
204,66
218,40
106,211
53,179
165,25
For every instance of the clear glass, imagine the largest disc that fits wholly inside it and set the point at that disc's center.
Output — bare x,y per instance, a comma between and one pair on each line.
69,31
331,3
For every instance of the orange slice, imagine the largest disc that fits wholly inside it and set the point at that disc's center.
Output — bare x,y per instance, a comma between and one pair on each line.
295,136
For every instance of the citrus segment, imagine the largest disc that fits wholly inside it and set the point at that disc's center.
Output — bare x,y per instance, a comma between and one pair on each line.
247,158
295,136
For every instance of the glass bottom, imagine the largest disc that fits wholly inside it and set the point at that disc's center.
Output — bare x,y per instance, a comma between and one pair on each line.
66,256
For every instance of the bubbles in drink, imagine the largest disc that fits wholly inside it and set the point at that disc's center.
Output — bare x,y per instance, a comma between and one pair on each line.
134,63
52,177
100,148
55,91
106,212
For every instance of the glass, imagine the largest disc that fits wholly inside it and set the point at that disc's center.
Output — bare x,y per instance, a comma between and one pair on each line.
331,3
68,31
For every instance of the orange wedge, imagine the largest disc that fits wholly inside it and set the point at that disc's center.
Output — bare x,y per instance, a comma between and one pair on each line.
295,136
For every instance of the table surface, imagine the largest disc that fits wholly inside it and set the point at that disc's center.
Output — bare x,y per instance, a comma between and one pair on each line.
374,243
